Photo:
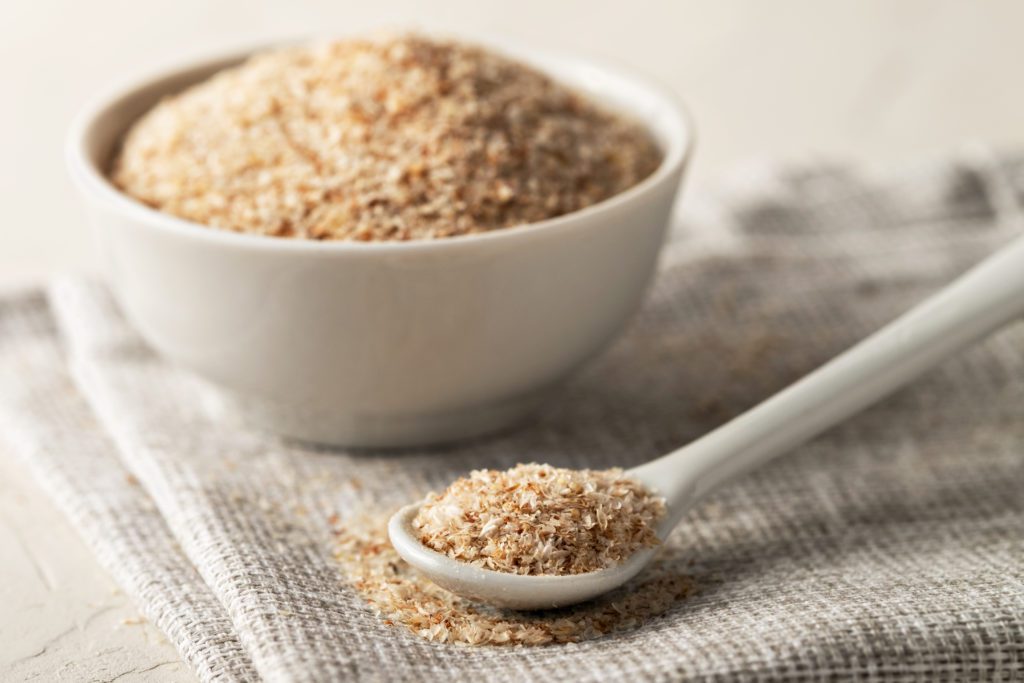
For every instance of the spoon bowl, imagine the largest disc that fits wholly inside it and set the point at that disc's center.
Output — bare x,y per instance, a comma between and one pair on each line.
514,591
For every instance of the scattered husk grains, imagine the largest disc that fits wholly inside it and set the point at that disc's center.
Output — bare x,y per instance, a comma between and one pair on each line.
393,138
538,519
404,598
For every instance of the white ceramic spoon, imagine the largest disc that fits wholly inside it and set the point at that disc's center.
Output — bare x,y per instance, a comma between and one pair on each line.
980,302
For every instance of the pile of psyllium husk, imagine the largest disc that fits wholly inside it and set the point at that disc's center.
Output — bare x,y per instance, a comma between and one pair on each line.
538,519
532,519
392,138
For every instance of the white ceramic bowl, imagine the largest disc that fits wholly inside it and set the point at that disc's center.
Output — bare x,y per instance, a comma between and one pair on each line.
383,344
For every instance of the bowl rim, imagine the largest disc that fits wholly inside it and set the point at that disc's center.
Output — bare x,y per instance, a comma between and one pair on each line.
93,182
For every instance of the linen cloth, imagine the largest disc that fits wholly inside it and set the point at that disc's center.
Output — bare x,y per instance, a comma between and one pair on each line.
891,548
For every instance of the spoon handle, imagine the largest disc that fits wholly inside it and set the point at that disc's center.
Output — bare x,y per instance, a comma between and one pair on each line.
978,303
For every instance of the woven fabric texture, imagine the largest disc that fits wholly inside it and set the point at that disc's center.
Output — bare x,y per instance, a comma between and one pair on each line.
891,548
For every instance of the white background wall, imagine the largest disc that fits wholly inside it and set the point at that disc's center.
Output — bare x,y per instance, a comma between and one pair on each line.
876,80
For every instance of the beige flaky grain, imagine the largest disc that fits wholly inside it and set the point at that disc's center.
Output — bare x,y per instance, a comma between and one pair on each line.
392,138
538,519
404,598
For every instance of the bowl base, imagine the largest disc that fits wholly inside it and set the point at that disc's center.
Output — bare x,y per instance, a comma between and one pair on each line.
318,426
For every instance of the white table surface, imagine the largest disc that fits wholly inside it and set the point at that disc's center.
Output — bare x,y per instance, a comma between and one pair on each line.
877,81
